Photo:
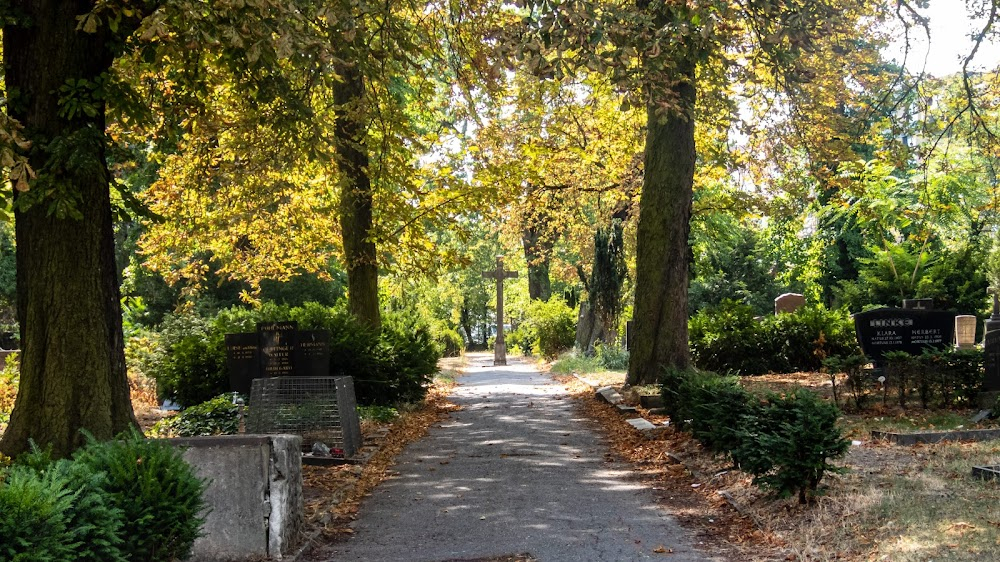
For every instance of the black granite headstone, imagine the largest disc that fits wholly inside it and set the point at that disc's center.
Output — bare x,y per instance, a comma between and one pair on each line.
277,347
991,360
242,361
628,334
897,329
312,355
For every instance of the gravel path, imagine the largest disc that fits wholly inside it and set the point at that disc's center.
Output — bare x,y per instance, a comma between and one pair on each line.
514,472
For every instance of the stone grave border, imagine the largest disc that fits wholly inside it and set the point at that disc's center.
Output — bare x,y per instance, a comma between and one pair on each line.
927,437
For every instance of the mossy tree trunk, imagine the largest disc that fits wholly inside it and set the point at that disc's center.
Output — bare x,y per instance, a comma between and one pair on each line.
662,251
356,198
73,372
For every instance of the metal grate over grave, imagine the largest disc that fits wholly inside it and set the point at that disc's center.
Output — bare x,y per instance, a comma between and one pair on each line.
319,409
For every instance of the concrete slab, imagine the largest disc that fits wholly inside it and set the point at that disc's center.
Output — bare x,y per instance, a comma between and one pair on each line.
610,395
254,492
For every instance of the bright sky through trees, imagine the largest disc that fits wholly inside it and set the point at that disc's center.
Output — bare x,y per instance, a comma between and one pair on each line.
950,42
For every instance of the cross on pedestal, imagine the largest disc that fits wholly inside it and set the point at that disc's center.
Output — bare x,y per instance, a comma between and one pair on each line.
499,348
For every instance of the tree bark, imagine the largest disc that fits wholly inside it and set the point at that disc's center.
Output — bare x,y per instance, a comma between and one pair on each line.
73,372
662,252
537,250
356,198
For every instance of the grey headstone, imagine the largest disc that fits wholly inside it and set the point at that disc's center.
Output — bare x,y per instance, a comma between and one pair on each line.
982,415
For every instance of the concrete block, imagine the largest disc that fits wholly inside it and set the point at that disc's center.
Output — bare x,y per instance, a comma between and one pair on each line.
254,493
641,424
610,395
625,410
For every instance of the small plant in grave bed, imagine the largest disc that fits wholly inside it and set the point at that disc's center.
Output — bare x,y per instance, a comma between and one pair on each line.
218,416
379,414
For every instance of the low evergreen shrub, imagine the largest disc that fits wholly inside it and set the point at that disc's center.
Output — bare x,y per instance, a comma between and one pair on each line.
159,495
946,376
788,444
34,522
785,442
218,416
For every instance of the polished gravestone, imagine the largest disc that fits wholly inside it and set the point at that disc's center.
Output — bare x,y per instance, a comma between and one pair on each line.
276,349
897,329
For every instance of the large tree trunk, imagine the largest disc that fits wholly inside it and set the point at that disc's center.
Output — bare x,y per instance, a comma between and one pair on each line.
537,250
73,373
662,254
356,198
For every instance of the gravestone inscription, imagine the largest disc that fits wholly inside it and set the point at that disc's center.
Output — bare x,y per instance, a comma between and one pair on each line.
898,329
276,349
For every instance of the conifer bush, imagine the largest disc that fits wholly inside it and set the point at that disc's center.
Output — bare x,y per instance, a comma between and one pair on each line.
788,444
157,492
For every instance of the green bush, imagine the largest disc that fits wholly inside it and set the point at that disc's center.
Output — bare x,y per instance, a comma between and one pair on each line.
949,375
218,416
612,357
450,342
521,339
553,326
158,494
717,407
408,357
787,445
187,356
853,365
189,363
34,524
729,338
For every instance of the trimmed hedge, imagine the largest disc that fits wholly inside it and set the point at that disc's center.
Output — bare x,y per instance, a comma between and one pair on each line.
729,338
785,442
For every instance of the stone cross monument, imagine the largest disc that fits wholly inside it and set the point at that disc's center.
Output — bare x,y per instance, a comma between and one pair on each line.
499,348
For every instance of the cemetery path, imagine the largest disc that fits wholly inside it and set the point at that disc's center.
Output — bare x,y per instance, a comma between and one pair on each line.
515,471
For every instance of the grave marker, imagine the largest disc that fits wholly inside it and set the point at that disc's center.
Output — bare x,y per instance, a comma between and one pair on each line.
991,347
899,329
499,348
965,331
918,304
276,349
788,302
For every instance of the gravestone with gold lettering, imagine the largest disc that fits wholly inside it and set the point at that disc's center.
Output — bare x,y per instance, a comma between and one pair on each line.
276,349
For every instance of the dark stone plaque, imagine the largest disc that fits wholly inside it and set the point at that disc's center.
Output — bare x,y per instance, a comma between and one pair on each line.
898,329
628,334
918,304
991,352
277,347
312,355
242,361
